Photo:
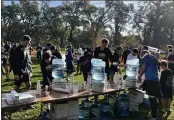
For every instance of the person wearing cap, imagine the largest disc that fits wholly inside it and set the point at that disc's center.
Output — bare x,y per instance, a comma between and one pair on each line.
104,53
55,52
133,54
20,64
46,70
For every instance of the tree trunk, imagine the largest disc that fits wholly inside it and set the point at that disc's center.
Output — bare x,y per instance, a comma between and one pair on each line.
71,34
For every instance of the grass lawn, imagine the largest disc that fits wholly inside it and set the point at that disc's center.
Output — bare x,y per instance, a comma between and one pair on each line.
32,114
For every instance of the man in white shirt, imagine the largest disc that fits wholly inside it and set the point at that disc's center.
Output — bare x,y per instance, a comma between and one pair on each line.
79,54
133,54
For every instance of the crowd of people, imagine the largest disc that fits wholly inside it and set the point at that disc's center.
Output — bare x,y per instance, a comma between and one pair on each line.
150,65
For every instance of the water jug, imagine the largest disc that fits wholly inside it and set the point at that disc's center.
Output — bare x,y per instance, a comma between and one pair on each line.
98,71
83,111
132,67
58,69
123,105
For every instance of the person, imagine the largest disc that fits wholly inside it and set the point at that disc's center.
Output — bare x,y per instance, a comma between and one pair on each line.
133,54
170,59
46,70
85,63
151,83
69,61
115,59
69,46
166,86
145,47
126,52
104,53
48,45
55,52
21,63
157,54
4,60
79,54
6,47
12,51
85,50
39,53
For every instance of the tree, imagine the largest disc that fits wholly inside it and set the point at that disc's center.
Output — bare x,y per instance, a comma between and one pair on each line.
120,14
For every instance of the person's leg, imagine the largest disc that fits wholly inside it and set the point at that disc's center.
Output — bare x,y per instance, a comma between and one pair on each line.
85,76
6,72
26,80
153,104
28,85
168,101
77,67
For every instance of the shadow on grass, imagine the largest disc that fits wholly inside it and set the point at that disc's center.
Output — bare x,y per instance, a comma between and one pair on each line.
36,76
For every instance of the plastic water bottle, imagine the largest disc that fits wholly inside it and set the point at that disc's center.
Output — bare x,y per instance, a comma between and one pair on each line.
58,69
132,67
89,84
38,89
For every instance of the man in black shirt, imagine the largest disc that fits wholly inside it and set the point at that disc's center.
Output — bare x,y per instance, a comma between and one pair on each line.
126,52
166,85
104,53
55,52
21,63
115,59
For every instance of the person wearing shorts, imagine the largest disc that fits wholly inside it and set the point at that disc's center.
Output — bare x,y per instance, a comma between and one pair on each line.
79,54
69,61
166,86
21,63
5,66
151,83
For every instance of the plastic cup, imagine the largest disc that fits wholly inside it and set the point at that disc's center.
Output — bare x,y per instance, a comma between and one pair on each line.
75,89
68,85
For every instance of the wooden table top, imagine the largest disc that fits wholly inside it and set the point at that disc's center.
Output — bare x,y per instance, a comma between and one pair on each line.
55,97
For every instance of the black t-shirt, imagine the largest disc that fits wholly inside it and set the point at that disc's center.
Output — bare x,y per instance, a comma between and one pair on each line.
115,58
125,54
166,82
58,55
85,63
105,55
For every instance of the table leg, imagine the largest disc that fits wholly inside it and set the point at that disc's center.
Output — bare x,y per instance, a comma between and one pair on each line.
41,109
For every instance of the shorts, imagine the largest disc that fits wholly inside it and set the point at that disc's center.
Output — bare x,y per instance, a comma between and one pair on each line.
70,68
167,93
78,62
4,61
152,87
22,78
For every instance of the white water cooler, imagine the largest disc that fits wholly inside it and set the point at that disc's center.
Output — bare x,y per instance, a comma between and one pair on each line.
97,75
132,67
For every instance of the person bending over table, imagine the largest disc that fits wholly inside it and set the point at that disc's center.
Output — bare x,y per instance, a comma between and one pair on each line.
46,68
85,63
151,83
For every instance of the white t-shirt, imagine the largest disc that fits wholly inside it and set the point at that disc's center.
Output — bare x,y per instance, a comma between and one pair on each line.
130,57
79,52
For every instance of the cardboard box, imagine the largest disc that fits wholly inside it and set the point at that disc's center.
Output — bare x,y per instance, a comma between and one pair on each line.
76,117
73,108
60,111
